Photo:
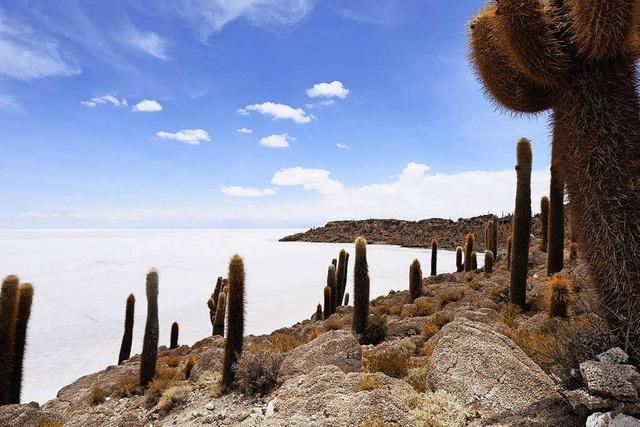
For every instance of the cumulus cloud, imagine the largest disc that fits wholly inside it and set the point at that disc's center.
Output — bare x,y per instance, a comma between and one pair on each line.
105,99
342,146
147,106
237,191
310,179
277,141
277,111
335,89
246,131
147,42
188,136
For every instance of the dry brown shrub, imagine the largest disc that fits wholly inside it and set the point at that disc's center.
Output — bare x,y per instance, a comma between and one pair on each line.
395,310
369,382
173,360
427,349
127,386
434,324
497,293
165,378
426,306
172,397
97,395
452,296
332,324
258,373
509,315
417,378
393,363
48,422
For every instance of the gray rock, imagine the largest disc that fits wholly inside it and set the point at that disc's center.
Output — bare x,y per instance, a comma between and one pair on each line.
611,380
611,419
584,403
339,348
405,327
613,355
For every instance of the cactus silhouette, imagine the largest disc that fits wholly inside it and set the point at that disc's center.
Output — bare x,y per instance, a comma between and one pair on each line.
9,300
488,262
346,299
459,263
578,59
25,300
555,246
318,315
333,285
218,318
340,276
509,244
474,261
521,226
559,296
127,336
415,280
360,287
175,330
328,302
235,323
544,223
151,332
468,249
434,257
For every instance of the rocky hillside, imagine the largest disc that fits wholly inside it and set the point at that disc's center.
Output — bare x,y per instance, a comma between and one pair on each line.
459,355
449,233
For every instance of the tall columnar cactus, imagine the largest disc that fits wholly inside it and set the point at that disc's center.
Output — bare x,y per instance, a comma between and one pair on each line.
521,225
127,336
434,257
544,223
328,302
415,280
488,262
175,331
360,287
340,276
9,298
509,244
459,263
468,249
494,236
474,261
555,246
151,332
235,323
577,58
318,315
333,284
218,318
20,341
346,299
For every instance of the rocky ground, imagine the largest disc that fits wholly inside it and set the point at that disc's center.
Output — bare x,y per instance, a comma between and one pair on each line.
459,355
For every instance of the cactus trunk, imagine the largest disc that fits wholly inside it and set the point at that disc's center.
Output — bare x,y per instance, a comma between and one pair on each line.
555,246
415,280
360,287
9,300
24,313
151,332
127,336
175,330
218,319
434,257
235,323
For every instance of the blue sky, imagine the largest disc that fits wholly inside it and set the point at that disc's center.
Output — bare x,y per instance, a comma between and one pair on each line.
128,114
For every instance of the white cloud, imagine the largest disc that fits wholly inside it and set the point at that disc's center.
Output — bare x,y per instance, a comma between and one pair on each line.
147,106
322,104
188,136
237,191
342,146
25,55
105,99
246,131
210,16
277,111
147,42
277,141
335,89
310,179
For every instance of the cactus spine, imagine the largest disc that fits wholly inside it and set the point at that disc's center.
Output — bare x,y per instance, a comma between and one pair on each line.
341,277
127,336
555,254
521,225
24,313
468,249
9,296
333,285
434,257
360,287
544,222
175,330
235,330
151,332
459,263
488,262
415,280
218,319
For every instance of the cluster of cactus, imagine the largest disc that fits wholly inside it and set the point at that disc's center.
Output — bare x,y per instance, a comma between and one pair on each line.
151,332
360,288
236,313
336,286
468,251
217,307
578,58
434,257
415,280
15,310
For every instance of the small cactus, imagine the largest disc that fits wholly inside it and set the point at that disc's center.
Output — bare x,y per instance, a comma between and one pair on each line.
318,315
459,263
333,284
334,262
216,292
341,276
127,336
360,288
559,296
434,257
20,340
346,299
151,332
544,222
328,302
235,323
218,320
175,330
468,249
474,261
415,280
494,236
9,297
488,262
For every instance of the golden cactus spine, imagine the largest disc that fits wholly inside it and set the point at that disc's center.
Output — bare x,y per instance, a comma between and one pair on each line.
559,296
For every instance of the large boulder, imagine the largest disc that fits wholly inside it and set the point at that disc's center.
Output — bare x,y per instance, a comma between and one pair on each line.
621,382
486,369
29,415
611,419
339,348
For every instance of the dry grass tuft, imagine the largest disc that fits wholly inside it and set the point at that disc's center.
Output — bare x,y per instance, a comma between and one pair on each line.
211,381
173,397
439,409
332,324
165,378
434,324
452,296
173,360
426,306
97,395
48,422
127,386
258,373
369,382
509,315
498,293
417,378
427,349
392,363
188,366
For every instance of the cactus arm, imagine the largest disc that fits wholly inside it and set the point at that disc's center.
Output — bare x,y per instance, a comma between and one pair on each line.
503,82
604,28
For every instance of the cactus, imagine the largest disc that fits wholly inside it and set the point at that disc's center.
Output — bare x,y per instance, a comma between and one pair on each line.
328,302
216,292
468,249
218,319
459,263
434,257
521,226
25,300
559,296
544,222
415,280
175,330
494,236
555,245
151,332
488,262
9,301
360,287
333,285
578,58
509,243
340,276
474,261
346,299
235,323
127,336
318,315
334,262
